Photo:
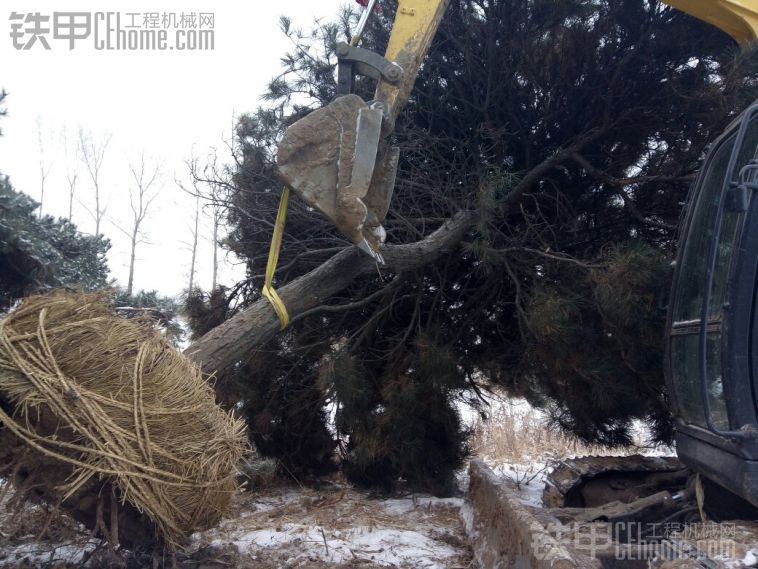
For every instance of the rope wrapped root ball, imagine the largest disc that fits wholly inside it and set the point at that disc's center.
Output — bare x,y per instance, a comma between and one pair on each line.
102,416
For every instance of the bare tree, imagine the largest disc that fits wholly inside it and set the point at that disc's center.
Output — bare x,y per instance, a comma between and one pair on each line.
44,165
92,153
216,179
195,233
72,172
217,214
141,196
195,227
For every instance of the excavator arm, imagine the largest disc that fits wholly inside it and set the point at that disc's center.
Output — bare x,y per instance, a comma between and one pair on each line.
416,22
337,157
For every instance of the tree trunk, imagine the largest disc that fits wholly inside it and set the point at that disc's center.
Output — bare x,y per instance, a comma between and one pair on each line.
215,249
220,348
194,245
72,179
130,283
97,210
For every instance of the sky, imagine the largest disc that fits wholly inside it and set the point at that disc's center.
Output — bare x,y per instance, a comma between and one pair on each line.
167,105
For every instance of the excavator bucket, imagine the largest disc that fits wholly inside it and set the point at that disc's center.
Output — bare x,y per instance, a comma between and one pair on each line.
336,160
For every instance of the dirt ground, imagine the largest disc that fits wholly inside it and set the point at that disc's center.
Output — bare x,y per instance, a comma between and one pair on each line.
275,528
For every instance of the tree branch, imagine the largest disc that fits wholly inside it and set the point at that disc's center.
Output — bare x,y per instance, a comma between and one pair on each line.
618,185
226,344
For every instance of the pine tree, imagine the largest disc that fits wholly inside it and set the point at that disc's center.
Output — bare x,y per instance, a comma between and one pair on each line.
572,131
37,254
162,310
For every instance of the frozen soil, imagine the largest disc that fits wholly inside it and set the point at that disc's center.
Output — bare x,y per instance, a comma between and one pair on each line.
273,528
342,527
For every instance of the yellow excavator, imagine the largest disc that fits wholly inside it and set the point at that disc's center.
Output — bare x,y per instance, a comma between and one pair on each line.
337,158
339,161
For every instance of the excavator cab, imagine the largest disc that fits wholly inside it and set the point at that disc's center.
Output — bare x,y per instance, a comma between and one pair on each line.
712,330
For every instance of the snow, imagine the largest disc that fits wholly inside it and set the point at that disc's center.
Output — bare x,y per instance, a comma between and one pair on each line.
301,527
284,527
529,480
467,517
383,546
270,500
750,559
33,554
405,505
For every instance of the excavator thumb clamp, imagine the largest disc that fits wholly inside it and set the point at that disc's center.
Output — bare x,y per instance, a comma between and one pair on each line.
337,158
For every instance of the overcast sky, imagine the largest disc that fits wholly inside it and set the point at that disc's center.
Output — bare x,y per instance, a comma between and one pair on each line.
168,104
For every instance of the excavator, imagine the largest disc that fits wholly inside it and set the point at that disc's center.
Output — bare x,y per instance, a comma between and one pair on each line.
339,161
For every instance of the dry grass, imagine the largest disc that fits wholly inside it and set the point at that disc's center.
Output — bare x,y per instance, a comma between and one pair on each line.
516,433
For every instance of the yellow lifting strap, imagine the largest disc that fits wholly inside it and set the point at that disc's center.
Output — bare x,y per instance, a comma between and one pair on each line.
273,258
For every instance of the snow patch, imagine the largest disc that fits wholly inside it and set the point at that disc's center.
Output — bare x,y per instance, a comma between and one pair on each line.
384,546
405,505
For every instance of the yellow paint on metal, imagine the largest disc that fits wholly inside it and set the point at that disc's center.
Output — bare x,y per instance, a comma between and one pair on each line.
413,26
416,22
738,18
